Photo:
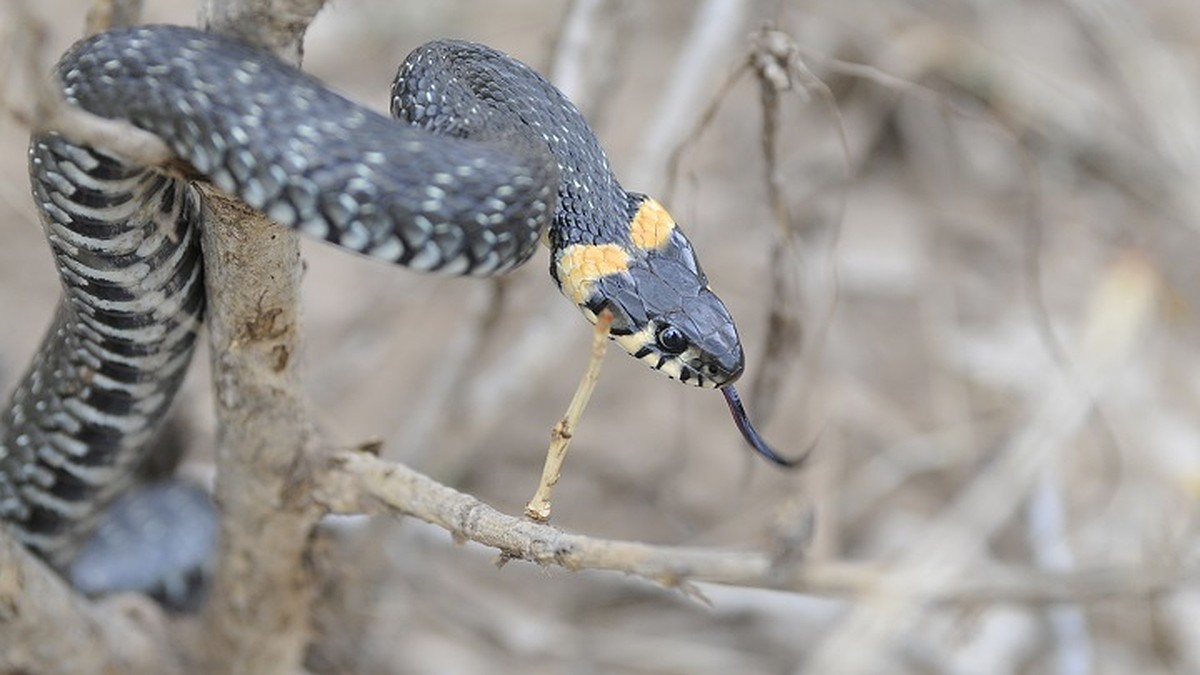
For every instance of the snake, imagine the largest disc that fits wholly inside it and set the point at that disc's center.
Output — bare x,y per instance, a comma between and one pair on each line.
481,159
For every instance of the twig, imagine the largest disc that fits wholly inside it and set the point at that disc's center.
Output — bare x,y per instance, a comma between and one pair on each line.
356,482
777,64
50,113
703,121
538,508
713,31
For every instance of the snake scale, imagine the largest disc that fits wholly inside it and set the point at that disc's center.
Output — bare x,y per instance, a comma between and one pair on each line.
482,158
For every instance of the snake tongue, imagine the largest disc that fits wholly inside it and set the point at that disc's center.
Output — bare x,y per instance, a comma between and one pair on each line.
751,434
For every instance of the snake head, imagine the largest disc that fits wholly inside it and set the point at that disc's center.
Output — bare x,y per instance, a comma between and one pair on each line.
663,311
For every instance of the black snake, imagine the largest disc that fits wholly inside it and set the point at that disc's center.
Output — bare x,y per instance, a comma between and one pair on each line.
483,157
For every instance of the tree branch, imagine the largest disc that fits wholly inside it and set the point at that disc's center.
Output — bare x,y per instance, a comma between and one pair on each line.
35,604
358,482
258,616
26,39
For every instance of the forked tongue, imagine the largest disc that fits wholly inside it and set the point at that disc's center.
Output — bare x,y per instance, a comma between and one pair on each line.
751,434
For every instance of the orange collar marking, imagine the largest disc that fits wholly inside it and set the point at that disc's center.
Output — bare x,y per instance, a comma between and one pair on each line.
651,226
581,265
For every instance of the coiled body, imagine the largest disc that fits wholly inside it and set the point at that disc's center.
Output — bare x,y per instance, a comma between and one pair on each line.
126,244
485,156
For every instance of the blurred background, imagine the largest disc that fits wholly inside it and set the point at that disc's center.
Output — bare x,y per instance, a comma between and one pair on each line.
972,297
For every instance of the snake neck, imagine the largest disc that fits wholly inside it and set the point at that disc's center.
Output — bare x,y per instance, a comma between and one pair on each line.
469,90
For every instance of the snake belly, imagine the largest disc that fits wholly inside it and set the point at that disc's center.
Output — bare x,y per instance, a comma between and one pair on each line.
464,183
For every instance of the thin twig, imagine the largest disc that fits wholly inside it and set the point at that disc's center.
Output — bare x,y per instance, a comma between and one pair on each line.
357,482
712,35
538,508
703,121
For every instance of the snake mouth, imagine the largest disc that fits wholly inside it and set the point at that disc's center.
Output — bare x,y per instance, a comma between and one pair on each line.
688,367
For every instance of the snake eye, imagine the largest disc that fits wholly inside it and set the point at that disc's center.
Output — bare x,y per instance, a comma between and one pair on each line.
671,340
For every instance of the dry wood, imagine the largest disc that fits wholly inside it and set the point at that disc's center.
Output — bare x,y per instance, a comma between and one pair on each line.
258,616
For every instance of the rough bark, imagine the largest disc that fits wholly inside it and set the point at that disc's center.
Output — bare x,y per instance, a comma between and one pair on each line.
257,620
45,627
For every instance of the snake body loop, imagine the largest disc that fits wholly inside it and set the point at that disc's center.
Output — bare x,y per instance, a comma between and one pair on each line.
125,238
484,157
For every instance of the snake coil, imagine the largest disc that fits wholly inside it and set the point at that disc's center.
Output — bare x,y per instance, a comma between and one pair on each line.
484,156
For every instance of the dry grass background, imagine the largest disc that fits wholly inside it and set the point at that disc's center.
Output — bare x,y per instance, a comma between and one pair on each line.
949,398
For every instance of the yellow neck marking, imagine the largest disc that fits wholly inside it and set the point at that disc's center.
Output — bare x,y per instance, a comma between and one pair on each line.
581,265
651,226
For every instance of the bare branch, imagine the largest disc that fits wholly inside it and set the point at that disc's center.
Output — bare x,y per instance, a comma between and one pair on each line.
35,603
539,506
357,482
258,616
50,113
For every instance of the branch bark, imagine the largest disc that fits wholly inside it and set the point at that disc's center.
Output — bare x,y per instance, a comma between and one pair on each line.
36,604
27,42
258,617
358,482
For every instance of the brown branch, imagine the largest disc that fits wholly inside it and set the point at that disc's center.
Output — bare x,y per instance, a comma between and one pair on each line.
773,56
358,482
36,605
258,616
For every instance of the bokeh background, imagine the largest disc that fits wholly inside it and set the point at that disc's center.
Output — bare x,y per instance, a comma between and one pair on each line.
991,227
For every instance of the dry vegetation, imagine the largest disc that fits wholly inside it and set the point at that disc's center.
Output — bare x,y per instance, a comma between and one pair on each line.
990,213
